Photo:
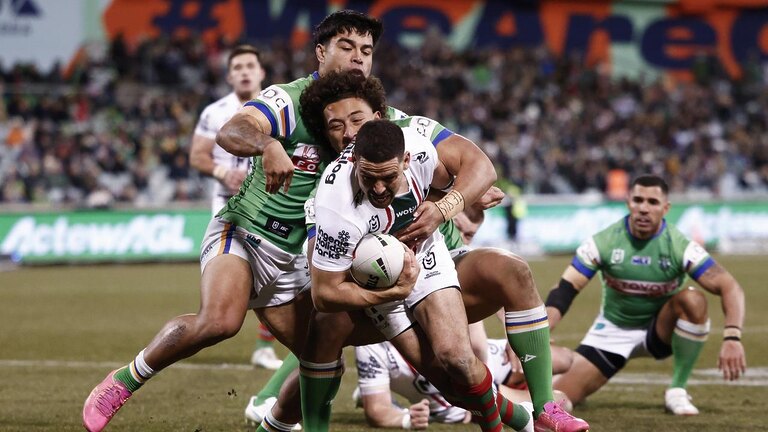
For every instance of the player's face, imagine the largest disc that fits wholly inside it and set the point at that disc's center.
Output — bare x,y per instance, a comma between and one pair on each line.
381,182
344,118
647,208
245,75
346,51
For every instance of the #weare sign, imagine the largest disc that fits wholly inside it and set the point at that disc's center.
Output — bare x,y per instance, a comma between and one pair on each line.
102,236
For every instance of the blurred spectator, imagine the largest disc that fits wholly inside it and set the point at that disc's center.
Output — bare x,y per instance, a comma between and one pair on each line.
120,123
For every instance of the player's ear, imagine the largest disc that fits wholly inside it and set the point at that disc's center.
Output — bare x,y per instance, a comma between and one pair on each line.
320,53
376,115
406,160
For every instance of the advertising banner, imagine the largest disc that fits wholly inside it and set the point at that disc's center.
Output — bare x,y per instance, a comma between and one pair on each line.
727,227
102,236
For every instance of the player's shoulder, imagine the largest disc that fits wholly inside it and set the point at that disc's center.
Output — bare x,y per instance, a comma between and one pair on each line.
225,103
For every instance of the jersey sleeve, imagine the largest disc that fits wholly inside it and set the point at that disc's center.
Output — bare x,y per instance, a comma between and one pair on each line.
696,260
423,157
372,372
430,129
279,108
587,258
205,125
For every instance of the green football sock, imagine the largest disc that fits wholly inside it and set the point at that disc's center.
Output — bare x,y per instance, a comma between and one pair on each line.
687,342
136,373
319,384
272,387
528,335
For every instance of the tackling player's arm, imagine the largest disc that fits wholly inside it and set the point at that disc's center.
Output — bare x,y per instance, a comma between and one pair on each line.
717,280
334,291
248,134
472,173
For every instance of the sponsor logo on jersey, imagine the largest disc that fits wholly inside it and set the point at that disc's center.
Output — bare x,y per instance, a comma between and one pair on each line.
368,369
252,240
278,228
332,247
404,212
617,256
306,158
641,260
431,274
665,262
421,157
429,262
424,126
641,288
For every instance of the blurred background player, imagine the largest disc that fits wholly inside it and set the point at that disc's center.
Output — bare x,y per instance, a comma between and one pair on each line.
245,75
647,309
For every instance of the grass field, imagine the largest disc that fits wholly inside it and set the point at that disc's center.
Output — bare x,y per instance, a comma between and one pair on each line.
63,328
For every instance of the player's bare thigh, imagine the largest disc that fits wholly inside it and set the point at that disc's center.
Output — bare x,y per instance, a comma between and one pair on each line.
225,288
491,278
689,304
581,380
441,316
289,321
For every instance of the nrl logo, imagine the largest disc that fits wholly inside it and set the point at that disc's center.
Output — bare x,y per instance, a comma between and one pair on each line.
617,256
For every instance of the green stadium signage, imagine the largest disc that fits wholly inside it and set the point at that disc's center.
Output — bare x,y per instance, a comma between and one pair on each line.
102,236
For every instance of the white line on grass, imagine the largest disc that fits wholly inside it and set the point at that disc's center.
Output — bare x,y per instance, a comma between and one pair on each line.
755,376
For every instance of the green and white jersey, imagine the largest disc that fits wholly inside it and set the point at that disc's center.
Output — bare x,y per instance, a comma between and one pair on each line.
279,217
639,276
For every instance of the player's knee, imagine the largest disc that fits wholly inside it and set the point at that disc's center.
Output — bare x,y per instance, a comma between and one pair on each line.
216,329
693,305
457,361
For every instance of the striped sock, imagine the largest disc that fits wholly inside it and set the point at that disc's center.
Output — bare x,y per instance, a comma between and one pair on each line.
480,400
266,338
270,424
528,335
687,342
319,384
136,373
512,414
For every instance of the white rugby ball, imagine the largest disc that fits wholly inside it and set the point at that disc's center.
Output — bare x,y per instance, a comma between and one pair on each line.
377,261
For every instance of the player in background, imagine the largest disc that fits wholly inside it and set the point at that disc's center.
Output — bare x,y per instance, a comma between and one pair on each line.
381,370
252,257
647,308
245,74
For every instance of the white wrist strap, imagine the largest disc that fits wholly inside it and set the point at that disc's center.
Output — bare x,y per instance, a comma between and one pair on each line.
406,423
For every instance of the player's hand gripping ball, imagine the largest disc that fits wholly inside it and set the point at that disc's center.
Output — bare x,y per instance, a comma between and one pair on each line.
377,261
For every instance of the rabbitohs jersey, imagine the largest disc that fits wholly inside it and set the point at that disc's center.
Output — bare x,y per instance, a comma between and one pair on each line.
344,215
381,368
279,217
639,276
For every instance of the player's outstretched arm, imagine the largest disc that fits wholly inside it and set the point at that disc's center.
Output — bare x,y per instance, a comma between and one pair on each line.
717,280
560,297
334,292
381,413
247,134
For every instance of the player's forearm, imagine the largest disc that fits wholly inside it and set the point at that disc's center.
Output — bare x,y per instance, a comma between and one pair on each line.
347,296
732,297
242,136
475,176
391,417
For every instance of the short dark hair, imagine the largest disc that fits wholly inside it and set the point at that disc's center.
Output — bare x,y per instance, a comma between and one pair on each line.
333,87
243,49
650,180
379,141
344,21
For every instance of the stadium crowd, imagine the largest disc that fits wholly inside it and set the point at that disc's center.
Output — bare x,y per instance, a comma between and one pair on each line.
117,126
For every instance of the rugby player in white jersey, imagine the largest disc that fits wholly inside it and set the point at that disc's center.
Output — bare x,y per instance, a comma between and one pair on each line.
245,74
382,370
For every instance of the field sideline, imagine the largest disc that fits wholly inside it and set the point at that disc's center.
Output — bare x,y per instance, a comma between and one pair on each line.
63,328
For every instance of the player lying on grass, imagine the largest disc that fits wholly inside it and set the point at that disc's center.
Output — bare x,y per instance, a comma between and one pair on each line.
381,370
647,308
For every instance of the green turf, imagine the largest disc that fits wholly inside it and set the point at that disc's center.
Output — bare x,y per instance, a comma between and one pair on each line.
68,326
